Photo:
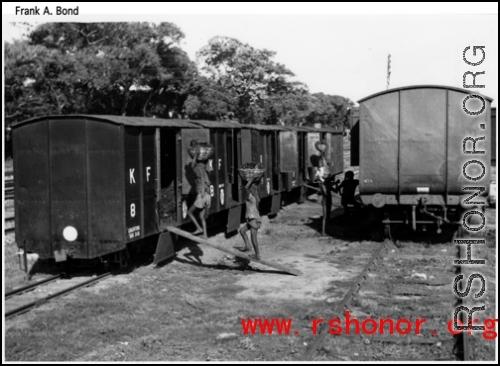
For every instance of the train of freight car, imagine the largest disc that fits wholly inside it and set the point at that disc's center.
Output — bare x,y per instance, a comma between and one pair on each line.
412,145
88,186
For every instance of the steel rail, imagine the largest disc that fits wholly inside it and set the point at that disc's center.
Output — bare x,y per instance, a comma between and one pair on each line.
30,287
42,301
466,348
323,332
10,229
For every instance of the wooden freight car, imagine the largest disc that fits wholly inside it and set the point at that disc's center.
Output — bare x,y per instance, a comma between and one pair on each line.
87,186
411,157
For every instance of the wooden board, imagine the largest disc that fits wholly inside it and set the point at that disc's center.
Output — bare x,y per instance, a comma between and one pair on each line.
231,251
164,247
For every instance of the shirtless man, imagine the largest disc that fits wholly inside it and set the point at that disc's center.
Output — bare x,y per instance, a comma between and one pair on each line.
254,221
322,175
202,202
347,190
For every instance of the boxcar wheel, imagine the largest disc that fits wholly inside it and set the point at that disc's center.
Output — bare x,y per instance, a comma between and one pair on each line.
111,266
116,261
387,231
82,263
376,233
376,226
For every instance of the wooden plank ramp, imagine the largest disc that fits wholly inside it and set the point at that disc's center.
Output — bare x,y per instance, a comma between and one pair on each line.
236,253
313,188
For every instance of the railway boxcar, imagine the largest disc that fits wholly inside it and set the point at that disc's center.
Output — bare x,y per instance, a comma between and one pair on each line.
411,153
334,154
87,186
289,159
494,136
278,149
225,188
254,142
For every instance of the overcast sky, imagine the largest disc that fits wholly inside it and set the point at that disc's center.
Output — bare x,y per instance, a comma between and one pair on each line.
339,54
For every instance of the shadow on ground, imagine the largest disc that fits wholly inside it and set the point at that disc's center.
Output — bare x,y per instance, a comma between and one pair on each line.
355,226
226,262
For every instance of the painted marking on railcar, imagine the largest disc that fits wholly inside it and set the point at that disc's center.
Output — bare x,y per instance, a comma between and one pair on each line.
221,193
132,172
134,232
70,233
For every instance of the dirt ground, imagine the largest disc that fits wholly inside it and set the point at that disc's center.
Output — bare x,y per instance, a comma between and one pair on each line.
190,309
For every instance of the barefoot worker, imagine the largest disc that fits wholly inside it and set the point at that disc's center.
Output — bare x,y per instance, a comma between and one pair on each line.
347,191
202,201
322,176
252,215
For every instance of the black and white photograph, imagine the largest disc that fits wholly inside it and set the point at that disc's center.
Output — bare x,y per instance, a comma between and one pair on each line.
250,182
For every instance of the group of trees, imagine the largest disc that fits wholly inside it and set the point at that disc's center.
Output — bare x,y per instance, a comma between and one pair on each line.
139,69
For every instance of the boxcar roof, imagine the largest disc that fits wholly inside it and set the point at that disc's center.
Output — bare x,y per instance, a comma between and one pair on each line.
297,128
119,120
266,127
327,129
425,87
215,124
182,123
314,129
218,124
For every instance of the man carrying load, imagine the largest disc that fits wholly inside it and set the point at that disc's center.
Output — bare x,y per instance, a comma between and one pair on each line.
202,201
251,173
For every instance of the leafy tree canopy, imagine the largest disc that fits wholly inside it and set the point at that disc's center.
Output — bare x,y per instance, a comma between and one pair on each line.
139,69
249,73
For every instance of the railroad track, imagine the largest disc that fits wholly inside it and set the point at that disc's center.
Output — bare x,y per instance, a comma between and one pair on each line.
392,285
12,228
9,193
15,294
323,332
9,188
33,286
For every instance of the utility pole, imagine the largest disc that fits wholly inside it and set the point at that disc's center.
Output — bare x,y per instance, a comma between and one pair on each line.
388,70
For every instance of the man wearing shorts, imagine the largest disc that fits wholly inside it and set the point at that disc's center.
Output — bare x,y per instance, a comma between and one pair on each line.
347,190
202,201
254,221
323,176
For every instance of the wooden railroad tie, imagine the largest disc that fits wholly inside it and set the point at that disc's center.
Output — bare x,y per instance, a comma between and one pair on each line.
200,240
